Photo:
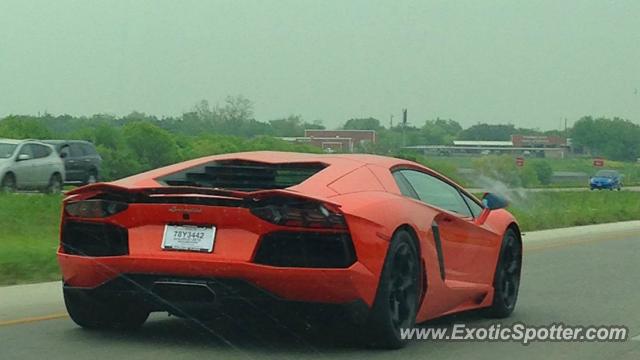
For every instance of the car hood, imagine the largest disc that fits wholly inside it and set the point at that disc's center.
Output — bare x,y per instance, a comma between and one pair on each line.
4,162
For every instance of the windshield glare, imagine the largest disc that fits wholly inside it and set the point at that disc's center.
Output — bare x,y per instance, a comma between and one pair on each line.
6,150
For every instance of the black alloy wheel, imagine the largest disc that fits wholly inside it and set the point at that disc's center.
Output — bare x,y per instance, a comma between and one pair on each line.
396,303
507,277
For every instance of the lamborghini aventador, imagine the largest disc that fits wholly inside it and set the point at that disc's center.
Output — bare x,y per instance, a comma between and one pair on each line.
385,237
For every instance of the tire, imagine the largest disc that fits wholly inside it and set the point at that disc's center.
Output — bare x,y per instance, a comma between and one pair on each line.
8,184
115,314
396,303
55,184
507,277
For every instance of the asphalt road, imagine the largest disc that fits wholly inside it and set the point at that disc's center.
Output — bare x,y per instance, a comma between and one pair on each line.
586,276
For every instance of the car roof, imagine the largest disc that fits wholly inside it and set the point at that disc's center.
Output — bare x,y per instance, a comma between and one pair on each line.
59,142
338,165
11,141
280,157
20,141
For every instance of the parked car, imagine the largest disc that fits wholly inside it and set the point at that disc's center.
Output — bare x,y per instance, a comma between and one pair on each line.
81,160
374,234
30,165
606,179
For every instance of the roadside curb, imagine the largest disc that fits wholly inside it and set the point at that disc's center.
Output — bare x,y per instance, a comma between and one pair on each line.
584,233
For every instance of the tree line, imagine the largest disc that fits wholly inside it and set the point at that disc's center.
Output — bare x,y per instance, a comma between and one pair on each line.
137,142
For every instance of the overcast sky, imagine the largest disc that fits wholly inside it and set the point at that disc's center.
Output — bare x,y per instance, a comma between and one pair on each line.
530,63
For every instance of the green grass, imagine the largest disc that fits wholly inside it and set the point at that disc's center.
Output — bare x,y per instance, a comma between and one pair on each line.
548,210
28,238
29,225
630,170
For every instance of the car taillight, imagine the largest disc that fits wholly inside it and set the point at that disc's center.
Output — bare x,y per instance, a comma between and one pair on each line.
308,214
95,208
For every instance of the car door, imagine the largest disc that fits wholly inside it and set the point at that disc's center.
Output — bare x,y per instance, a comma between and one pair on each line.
90,160
43,168
465,247
24,169
73,162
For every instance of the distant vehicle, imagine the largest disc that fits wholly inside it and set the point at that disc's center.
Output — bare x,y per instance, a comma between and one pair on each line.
30,165
606,179
81,160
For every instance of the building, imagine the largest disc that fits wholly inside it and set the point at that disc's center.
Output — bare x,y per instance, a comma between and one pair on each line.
538,141
336,140
538,146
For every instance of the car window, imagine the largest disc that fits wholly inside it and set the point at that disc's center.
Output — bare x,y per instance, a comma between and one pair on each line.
6,150
88,150
405,188
64,151
476,208
76,150
436,192
40,151
27,149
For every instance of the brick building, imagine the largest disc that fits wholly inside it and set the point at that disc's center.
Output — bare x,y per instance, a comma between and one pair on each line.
337,140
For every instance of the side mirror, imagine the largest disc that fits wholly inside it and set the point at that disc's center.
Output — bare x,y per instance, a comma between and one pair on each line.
63,155
23,157
493,201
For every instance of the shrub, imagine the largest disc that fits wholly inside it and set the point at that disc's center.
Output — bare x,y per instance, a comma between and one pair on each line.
543,171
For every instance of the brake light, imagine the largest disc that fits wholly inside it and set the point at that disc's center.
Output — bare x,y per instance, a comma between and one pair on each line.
308,214
95,208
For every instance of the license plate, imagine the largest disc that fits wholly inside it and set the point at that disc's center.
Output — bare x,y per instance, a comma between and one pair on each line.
189,238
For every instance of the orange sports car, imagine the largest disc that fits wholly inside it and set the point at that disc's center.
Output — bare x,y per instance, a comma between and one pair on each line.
385,237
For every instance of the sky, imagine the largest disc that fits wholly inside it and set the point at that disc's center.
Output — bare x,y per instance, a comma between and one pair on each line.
528,63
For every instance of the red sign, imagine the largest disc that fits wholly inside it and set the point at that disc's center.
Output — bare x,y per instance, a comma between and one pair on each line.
598,162
520,161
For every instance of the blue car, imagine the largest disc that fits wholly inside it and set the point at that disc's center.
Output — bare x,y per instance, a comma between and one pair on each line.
606,179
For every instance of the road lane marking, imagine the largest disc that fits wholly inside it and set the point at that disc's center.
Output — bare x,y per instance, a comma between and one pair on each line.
34,319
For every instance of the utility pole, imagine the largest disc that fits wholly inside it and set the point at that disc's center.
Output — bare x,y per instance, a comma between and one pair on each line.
390,121
404,125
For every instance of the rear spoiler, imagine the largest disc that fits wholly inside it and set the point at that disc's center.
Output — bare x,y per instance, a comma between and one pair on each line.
99,188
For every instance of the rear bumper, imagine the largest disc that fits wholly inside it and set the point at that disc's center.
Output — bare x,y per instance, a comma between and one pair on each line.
333,286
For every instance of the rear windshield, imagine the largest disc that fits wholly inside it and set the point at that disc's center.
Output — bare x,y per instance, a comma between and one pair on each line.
243,175
6,150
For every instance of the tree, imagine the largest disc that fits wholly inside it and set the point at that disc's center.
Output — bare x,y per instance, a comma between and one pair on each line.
616,138
23,127
236,109
315,124
153,146
362,124
543,171
289,126
440,131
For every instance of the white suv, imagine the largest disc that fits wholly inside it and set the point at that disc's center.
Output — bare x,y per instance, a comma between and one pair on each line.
30,165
